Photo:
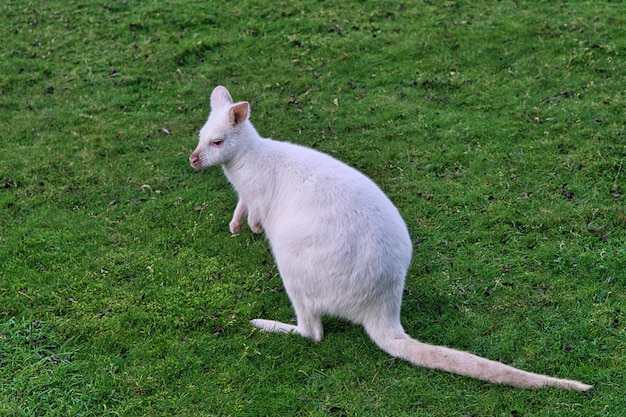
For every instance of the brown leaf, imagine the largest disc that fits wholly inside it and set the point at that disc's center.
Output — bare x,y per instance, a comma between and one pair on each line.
596,229
218,331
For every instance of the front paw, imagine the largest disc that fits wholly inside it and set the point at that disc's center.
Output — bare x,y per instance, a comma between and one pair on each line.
235,226
256,227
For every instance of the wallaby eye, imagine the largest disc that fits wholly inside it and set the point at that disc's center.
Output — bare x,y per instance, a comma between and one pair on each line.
217,142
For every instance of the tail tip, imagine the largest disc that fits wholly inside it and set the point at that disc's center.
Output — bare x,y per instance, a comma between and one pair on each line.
575,385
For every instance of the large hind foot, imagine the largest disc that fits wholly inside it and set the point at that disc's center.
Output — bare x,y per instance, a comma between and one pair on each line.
309,327
273,326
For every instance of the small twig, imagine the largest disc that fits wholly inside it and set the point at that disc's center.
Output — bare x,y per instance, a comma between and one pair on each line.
620,213
489,330
25,295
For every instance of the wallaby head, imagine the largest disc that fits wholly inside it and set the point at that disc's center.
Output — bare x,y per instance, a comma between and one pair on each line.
221,136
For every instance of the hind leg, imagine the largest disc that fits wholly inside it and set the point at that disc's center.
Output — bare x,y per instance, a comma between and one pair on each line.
309,325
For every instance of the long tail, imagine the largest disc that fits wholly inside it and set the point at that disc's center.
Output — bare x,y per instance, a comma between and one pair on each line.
463,363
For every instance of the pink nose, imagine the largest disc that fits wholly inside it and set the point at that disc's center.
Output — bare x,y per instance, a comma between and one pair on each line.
194,160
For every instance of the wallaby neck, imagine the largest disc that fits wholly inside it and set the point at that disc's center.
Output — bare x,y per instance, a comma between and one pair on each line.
247,160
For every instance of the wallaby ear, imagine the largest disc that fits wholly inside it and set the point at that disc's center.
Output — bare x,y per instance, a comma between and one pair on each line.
239,113
220,98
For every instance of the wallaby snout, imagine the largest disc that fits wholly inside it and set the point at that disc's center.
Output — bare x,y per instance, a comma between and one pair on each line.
194,160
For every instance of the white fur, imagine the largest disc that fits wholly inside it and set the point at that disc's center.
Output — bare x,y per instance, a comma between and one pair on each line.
341,247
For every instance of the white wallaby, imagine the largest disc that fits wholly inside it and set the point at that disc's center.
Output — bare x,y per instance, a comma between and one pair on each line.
340,245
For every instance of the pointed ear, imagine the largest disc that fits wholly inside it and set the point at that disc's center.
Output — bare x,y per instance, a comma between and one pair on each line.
220,98
239,113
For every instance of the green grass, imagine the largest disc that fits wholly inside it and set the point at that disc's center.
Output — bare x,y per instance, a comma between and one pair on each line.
497,128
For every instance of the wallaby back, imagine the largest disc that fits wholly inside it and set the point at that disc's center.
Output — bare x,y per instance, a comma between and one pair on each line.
341,246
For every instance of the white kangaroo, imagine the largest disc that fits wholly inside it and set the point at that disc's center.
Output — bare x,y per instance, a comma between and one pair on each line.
340,245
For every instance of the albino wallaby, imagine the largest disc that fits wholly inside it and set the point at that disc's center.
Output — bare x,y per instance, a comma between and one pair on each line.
340,245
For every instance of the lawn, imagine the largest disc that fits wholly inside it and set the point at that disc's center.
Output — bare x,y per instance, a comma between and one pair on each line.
497,128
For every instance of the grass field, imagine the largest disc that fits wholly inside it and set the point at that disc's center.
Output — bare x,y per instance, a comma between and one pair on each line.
497,128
